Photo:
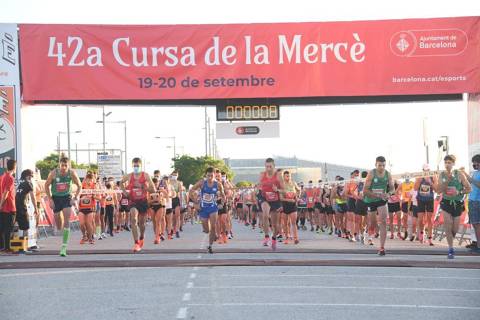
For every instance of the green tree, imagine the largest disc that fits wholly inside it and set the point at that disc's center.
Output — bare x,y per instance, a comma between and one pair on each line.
244,184
50,162
193,169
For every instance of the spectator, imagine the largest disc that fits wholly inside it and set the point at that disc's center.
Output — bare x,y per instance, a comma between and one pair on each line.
24,190
7,205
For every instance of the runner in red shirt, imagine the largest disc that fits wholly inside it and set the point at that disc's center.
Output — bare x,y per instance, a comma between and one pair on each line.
7,205
270,201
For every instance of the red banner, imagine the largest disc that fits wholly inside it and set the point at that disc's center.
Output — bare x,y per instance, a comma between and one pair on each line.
359,58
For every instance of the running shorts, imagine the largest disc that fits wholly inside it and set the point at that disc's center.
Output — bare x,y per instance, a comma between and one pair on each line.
61,202
175,202
275,205
406,207
394,207
361,208
141,206
455,208
22,219
289,207
342,207
425,206
351,203
373,206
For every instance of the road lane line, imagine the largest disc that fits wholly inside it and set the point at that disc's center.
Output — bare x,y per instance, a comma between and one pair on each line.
187,296
301,304
189,285
193,275
339,287
336,275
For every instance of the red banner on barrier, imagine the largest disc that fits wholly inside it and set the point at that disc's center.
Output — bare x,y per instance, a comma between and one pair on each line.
359,58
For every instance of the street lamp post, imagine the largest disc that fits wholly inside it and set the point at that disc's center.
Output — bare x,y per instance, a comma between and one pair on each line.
104,115
68,135
124,122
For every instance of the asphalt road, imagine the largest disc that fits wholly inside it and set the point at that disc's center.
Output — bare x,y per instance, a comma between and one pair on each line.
322,278
240,293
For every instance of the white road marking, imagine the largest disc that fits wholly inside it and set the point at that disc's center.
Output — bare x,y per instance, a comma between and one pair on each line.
286,304
199,256
182,313
196,268
193,275
340,287
189,285
336,275
89,270
187,296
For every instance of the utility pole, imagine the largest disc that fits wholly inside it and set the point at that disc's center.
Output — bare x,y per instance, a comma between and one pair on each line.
68,132
206,133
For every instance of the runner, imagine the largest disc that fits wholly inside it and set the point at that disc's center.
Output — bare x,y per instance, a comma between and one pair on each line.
310,193
61,201
169,193
351,195
221,227
361,211
111,204
320,215
453,185
229,193
269,185
395,212
425,188
378,187
406,196
210,191
138,183
328,207
474,200
288,195
302,207
176,205
338,195
156,201
87,207
124,211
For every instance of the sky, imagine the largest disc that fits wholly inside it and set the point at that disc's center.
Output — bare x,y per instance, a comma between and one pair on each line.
343,134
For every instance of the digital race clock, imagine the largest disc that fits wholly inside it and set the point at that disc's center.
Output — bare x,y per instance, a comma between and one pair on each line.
236,112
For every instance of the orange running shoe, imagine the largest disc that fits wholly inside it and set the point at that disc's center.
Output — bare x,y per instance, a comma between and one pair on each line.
83,241
136,248
141,242
224,238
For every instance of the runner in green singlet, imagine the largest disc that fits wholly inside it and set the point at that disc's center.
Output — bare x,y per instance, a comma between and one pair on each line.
453,185
60,197
378,187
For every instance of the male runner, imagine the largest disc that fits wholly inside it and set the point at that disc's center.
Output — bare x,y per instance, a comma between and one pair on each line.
453,185
138,183
406,196
210,191
269,186
378,187
61,201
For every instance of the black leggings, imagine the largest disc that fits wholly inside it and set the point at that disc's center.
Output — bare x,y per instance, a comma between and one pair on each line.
6,227
109,217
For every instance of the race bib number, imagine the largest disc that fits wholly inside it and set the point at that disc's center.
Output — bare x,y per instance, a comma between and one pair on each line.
61,187
109,198
138,194
377,191
394,198
425,190
86,203
208,198
451,191
310,199
124,202
271,196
